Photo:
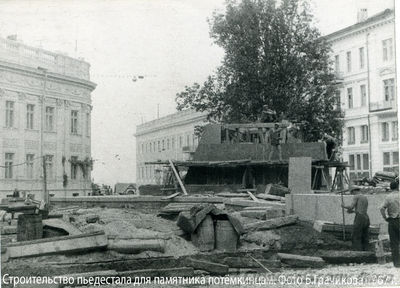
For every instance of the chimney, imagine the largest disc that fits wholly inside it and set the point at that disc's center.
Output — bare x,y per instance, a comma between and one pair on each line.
362,15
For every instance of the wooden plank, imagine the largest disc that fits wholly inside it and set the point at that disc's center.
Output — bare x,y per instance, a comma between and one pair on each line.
270,197
177,177
271,223
171,196
213,268
58,245
253,197
345,257
300,261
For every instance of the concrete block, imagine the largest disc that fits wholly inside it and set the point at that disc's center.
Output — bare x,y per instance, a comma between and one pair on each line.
300,175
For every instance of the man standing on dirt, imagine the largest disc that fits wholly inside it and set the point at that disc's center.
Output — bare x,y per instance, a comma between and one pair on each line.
275,141
390,211
360,237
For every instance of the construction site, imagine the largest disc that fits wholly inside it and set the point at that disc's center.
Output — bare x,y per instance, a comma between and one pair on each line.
231,210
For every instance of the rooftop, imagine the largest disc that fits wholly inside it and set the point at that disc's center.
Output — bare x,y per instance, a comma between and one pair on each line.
387,13
14,51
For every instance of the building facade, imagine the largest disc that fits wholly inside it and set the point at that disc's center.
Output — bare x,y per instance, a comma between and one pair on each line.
45,112
364,60
170,137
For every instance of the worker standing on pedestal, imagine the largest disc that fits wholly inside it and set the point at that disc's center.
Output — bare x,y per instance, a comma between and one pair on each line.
390,211
275,141
359,206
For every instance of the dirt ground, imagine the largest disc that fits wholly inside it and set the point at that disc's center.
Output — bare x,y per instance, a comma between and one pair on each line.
128,223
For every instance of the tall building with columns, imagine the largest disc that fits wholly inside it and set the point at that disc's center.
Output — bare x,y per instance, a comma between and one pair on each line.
45,112
364,60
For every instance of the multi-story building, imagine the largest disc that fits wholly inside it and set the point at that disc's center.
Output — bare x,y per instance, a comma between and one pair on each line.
364,60
170,137
45,112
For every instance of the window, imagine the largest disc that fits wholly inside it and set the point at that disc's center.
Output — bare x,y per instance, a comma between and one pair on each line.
387,49
388,86
29,166
142,148
363,93
187,140
180,141
348,58
49,119
151,149
49,166
9,114
163,144
395,130
9,158
173,142
350,97
364,133
391,161
74,122
359,165
159,146
30,110
351,136
337,64
362,57
154,146
385,131
168,144
74,167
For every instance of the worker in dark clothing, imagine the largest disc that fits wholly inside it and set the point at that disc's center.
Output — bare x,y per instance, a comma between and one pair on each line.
390,211
331,144
359,206
275,141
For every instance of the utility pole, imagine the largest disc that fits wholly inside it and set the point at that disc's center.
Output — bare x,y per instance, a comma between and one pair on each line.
42,119
46,195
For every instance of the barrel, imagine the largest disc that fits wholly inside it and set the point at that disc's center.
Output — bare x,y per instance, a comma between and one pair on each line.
203,237
29,227
226,237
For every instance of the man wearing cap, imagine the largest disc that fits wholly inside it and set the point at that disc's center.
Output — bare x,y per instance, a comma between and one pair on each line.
359,206
391,213
275,141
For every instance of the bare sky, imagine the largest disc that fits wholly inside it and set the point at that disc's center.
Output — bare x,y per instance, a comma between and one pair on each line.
166,41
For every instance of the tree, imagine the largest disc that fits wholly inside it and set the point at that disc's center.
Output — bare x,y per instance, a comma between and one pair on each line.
274,59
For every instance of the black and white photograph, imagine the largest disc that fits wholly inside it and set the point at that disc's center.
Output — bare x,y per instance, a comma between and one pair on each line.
199,143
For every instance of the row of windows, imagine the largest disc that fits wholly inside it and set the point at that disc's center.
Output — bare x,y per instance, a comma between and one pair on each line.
168,143
148,172
359,163
387,55
49,121
30,167
388,92
364,137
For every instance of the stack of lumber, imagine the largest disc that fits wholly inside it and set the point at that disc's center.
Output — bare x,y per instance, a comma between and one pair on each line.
239,204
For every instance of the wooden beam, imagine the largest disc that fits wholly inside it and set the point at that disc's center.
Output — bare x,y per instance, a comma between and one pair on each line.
177,177
253,197
58,245
301,261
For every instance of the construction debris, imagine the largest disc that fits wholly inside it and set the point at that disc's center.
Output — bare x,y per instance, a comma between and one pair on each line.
135,246
271,223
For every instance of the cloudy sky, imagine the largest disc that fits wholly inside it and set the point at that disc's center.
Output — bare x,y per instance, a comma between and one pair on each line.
166,41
